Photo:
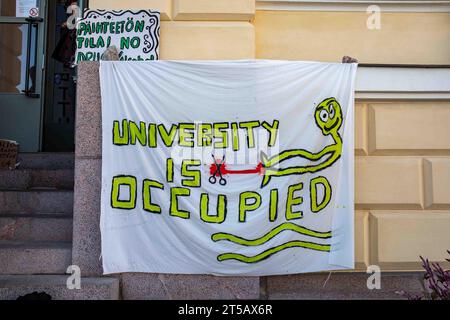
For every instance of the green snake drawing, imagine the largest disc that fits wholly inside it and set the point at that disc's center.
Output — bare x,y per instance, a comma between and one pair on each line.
328,117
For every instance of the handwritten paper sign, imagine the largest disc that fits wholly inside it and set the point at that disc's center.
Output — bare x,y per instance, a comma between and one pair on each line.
134,33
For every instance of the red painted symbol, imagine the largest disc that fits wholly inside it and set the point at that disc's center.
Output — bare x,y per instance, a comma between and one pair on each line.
34,12
219,169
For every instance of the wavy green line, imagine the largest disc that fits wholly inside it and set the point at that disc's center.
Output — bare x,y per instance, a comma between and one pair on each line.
269,235
267,253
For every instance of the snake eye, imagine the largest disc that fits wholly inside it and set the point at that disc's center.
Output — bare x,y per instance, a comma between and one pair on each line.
331,112
323,115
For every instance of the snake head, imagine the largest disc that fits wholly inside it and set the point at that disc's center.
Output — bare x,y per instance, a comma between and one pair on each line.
328,116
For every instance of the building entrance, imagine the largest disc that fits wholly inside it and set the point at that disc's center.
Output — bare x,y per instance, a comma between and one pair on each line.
37,92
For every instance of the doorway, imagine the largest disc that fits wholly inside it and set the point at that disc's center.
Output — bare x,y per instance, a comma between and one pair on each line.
59,106
22,50
37,93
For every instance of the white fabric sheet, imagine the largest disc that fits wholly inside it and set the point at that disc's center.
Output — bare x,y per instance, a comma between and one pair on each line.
287,175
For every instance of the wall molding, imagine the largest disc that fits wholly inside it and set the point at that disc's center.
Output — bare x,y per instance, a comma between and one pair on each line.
402,83
353,5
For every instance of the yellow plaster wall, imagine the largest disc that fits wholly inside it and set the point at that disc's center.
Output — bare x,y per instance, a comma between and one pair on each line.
198,40
402,166
402,183
214,9
406,38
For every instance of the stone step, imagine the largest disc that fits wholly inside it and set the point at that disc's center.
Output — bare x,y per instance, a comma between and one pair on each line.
36,227
34,257
36,201
47,160
23,179
340,285
13,286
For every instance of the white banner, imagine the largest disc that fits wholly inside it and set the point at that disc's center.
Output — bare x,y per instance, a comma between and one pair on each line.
135,34
227,167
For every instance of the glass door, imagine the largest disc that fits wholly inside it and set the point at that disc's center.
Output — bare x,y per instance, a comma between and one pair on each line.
22,45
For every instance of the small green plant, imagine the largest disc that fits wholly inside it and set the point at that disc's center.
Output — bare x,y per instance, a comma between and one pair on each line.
435,283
